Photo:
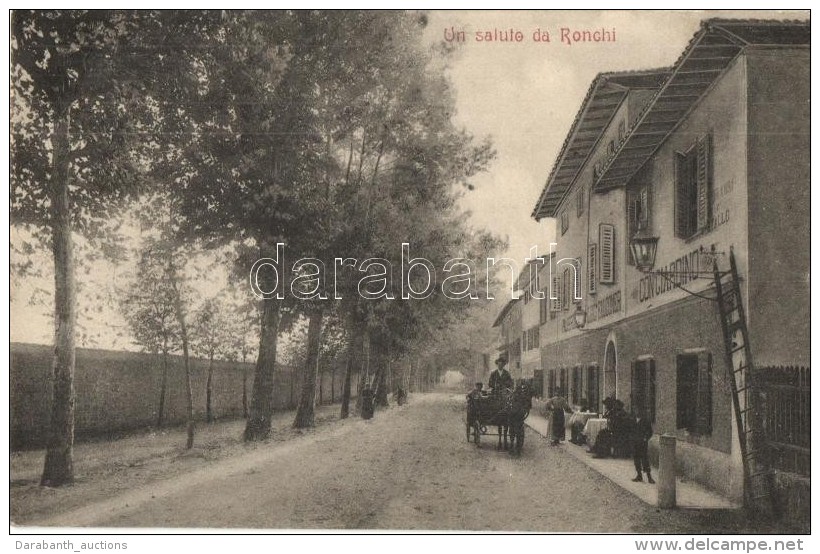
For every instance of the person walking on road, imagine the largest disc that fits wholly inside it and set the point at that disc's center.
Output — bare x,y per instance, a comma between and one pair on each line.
641,433
558,405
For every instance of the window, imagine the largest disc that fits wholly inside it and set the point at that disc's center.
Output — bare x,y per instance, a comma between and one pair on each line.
538,383
606,242
592,268
580,202
643,387
577,385
564,385
534,337
593,379
637,214
551,383
564,221
694,393
693,184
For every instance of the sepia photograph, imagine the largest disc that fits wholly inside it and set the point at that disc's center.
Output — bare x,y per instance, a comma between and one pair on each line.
410,271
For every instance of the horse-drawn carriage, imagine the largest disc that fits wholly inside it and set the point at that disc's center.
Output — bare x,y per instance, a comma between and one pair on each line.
504,409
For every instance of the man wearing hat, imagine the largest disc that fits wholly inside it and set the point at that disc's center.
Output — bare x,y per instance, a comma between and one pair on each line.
500,378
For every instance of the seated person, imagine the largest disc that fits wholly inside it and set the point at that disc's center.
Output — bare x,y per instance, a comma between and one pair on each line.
616,439
477,392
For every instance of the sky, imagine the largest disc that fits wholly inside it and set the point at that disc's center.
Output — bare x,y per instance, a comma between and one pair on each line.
524,95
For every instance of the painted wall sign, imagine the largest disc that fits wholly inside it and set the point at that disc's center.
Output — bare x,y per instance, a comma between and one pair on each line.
604,307
673,275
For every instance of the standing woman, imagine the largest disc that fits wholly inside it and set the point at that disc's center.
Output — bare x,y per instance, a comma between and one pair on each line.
558,404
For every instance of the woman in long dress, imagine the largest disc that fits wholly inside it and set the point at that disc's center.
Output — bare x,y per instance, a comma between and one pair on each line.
558,404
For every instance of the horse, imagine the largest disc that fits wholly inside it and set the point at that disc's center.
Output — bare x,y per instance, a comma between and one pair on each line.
517,408
489,410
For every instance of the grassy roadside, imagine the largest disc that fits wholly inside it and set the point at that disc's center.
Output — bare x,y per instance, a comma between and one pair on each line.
105,468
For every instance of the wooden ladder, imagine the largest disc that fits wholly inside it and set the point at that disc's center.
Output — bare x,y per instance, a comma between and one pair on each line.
757,475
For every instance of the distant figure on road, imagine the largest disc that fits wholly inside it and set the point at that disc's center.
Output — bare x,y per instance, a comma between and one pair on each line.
500,378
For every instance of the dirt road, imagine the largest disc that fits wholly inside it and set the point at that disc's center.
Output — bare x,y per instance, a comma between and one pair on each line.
409,468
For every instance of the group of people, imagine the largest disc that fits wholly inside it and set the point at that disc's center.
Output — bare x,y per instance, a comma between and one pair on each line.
626,433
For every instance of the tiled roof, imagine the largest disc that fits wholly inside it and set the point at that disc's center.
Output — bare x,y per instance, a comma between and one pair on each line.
504,311
602,100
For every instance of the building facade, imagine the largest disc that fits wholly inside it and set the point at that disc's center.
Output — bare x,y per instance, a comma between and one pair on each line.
708,156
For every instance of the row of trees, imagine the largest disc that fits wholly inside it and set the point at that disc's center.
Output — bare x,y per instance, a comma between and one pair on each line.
230,132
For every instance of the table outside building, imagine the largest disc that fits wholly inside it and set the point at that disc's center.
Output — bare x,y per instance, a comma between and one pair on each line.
592,427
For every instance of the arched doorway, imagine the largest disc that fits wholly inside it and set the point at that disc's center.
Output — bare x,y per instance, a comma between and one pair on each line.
610,369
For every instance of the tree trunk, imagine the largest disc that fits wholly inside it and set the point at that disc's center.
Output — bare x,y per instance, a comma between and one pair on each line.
307,401
209,389
261,409
162,388
59,468
381,381
364,368
321,385
354,352
189,391
244,388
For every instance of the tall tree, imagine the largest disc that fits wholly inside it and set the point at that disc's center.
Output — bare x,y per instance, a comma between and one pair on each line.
74,111
148,306
211,338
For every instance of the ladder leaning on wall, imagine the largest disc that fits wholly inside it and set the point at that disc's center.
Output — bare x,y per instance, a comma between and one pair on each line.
757,475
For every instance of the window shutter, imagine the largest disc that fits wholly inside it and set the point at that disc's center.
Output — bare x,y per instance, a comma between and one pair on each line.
606,239
704,182
631,222
577,296
704,394
543,308
555,295
680,395
681,196
567,289
650,400
592,268
633,389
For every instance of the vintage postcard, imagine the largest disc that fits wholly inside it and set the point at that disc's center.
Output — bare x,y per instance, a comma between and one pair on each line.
511,271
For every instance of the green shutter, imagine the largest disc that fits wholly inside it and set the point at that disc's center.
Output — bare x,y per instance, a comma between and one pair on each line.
592,268
682,179
703,182
606,240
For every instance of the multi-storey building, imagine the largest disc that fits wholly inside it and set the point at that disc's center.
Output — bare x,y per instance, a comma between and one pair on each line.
709,155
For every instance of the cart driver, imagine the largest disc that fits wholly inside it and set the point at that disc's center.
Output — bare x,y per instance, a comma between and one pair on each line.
500,378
